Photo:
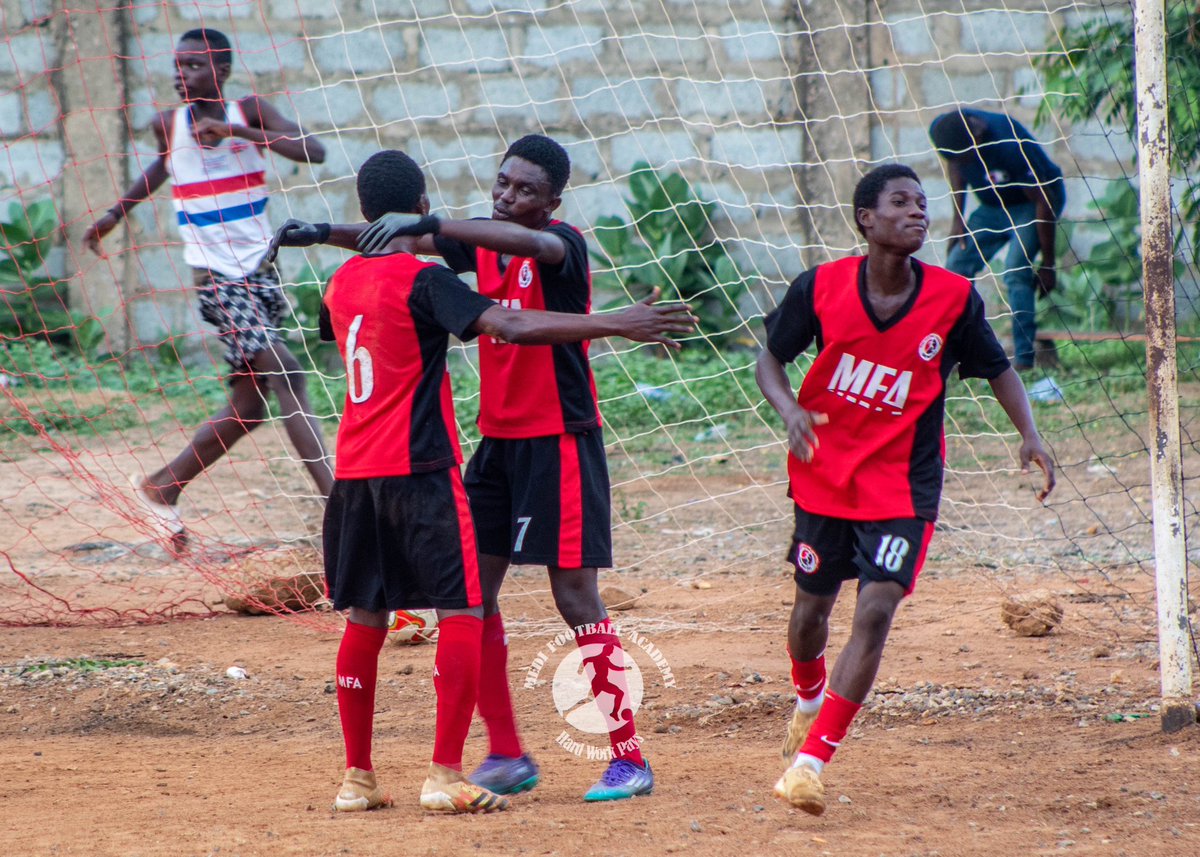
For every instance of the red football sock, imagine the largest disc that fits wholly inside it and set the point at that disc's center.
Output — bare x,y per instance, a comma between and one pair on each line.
495,701
456,681
357,666
830,727
610,682
808,676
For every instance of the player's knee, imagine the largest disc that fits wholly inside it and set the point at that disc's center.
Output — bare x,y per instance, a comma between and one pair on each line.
810,611
578,602
873,621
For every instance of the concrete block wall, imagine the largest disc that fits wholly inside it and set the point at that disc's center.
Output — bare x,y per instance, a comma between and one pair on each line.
771,107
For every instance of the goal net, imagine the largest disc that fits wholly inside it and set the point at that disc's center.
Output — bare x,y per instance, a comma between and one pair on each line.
714,152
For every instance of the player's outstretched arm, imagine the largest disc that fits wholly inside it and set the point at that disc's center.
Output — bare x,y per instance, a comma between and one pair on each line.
141,188
644,321
773,381
1010,393
301,233
510,238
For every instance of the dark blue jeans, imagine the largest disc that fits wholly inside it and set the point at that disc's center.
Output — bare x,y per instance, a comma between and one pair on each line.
989,228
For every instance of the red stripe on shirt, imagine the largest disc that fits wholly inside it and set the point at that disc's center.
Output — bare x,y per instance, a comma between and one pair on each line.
196,190
570,504
466,534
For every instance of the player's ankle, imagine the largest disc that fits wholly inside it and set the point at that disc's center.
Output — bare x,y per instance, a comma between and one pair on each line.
810,706
813,762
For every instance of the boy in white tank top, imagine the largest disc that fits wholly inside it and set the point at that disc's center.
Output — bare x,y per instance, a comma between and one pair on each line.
213,153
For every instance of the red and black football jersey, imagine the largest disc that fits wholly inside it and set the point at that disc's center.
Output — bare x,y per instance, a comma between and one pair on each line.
882,383
391,316
530,391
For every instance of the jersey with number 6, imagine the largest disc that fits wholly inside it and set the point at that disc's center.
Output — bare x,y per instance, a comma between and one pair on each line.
391,316
882,385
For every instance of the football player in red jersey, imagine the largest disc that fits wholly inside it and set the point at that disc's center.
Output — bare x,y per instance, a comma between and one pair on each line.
541,427
398,532
866,447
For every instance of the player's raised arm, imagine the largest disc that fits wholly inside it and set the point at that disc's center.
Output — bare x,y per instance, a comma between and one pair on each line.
301,233
511,239
645,321
269,128
1010,393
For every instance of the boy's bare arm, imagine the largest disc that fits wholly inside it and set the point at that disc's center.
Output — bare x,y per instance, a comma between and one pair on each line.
1010,393
266,127
644,321
151,179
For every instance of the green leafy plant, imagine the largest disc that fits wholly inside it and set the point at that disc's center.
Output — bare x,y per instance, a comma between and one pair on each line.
30,301
1093,77
1103,291
669,243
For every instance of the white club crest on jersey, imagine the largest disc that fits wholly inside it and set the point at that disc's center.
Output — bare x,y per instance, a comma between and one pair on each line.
930,347
871,385
807,559
525,275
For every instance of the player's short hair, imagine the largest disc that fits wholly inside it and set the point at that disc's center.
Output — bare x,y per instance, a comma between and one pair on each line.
218,44
870,186
546,153
389,181
951,134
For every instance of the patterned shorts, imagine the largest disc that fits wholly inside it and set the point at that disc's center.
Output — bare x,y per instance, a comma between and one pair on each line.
247,311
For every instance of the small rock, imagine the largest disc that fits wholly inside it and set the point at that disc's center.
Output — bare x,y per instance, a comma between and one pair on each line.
701,584
1035,614
695,825
236,673
843,799
617,598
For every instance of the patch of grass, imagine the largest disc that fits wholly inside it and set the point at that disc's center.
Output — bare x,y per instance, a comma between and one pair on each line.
85,665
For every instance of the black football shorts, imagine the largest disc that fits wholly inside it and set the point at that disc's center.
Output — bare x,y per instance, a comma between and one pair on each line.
827,551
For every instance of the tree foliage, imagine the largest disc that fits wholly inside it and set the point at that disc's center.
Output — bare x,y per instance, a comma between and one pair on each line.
1094,76
669,243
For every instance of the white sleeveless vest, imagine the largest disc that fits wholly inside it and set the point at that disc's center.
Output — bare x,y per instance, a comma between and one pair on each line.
220,196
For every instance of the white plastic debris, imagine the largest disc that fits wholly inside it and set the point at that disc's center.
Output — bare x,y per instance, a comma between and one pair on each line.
1046,390
718,432
236,673
657,394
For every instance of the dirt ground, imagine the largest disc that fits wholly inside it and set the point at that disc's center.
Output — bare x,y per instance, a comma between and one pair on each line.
134,741
976,742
